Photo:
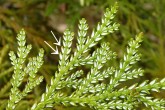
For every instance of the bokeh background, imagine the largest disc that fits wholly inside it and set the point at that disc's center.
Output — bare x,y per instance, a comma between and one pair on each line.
39,17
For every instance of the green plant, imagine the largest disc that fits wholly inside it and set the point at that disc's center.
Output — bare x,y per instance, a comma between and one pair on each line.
20,71
100,87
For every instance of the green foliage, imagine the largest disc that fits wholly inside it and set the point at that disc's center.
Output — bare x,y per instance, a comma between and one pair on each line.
149,18
20,71
97,87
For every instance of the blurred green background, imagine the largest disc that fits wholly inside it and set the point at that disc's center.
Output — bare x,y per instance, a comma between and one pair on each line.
39,17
